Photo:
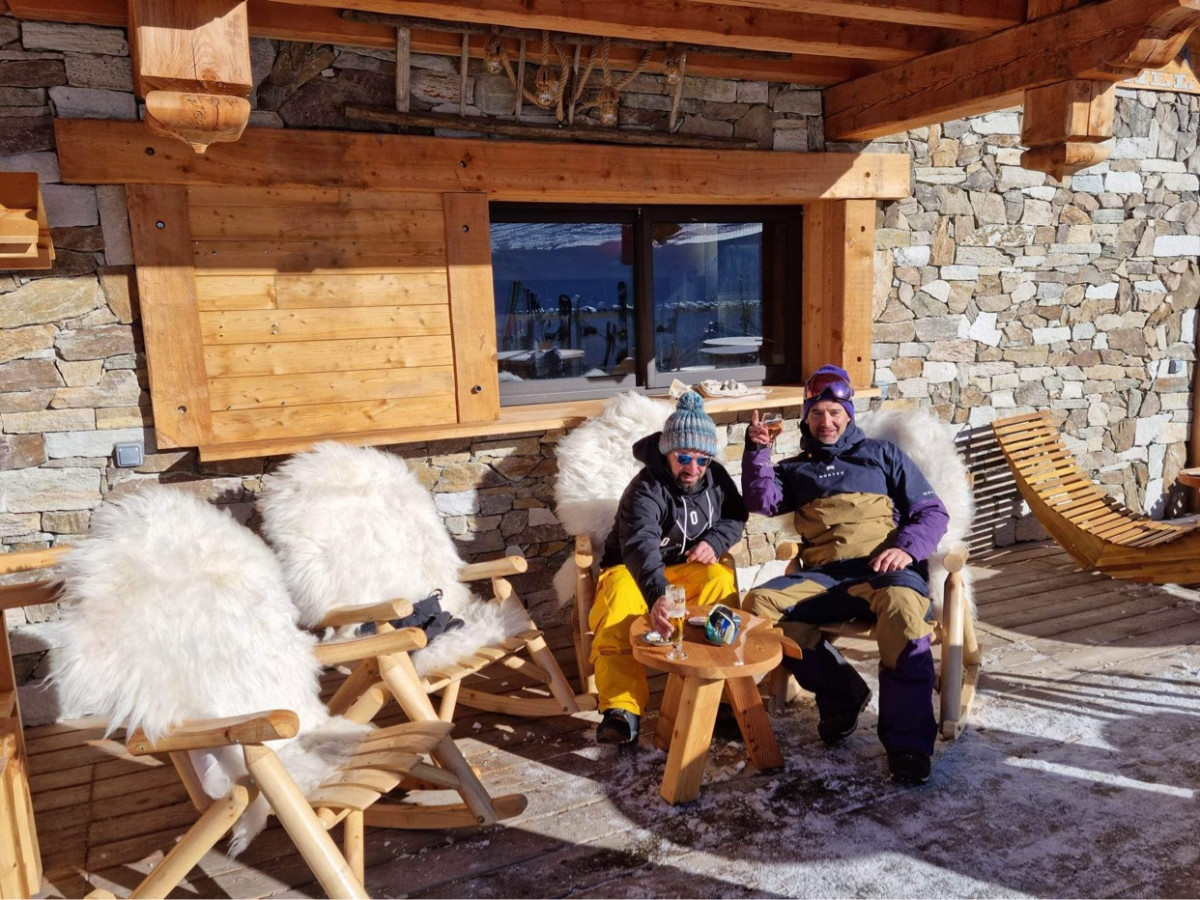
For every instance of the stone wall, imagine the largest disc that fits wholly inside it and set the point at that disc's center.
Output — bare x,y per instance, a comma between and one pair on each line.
997,290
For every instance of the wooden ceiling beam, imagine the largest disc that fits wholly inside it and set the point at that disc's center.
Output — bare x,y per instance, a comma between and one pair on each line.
95,151
295,22
705,24
1108,41
963,15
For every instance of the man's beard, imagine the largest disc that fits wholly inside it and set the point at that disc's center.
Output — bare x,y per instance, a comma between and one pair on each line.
691,488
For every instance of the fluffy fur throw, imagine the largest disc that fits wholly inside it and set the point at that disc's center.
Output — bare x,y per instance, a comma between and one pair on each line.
175,612
353,526
595,463
929,442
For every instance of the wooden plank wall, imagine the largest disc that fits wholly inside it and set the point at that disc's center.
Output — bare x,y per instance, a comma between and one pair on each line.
326,311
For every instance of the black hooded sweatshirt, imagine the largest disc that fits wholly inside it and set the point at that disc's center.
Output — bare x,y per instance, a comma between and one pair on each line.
658,522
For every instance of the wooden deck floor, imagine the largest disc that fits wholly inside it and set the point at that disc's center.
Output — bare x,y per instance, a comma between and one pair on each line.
596,827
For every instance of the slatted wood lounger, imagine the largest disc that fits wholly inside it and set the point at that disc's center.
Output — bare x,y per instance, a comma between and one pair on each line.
1096,530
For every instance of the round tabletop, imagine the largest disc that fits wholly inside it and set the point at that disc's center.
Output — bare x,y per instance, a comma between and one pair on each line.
739,341
1189,477
759,649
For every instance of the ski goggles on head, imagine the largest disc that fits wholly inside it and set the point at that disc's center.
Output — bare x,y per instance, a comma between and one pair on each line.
686,459
827,383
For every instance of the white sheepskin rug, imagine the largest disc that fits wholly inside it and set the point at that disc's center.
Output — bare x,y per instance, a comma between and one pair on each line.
929,442
595,464
353,526
175,612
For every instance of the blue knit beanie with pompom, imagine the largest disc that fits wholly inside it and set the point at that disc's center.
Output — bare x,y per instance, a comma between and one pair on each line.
689,427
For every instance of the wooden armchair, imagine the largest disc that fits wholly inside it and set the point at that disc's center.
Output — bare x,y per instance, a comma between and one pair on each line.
354,529
177,626
365,691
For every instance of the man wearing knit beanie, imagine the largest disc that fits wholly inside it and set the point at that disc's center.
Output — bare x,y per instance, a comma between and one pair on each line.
869,521
675,519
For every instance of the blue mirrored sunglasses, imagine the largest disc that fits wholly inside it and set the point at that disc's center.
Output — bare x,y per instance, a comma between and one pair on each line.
685,459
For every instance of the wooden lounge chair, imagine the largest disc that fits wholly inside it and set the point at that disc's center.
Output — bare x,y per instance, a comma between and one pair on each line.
354,529
200,659
1096,530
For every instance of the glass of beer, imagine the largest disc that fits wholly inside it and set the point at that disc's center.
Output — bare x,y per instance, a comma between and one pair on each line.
676,600
773,422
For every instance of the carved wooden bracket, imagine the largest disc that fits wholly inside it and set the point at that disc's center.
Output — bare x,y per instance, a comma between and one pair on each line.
1064,126
1066,122
24,233
192,65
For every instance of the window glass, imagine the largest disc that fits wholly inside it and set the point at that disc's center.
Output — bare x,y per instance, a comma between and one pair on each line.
708,295
564,294
591,300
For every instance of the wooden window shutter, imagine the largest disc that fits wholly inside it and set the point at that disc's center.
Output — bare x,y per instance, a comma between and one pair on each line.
278,316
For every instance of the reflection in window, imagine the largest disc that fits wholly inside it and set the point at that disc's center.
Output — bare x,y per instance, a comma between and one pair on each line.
564,299
708,292
594,299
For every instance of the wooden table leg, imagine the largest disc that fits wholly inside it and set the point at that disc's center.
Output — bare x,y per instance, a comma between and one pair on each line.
697,713
667,710
752,719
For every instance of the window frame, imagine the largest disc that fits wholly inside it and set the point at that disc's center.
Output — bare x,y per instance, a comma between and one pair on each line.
642,217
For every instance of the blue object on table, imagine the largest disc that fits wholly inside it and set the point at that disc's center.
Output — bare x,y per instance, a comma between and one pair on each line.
722,624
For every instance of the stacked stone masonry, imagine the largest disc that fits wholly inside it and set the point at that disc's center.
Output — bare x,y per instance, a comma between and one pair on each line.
997,290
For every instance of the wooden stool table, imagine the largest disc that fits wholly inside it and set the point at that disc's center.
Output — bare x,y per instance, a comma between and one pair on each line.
694,689
1189,477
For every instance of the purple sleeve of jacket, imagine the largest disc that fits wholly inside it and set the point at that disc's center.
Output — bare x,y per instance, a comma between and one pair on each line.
923,516
922,529
761,490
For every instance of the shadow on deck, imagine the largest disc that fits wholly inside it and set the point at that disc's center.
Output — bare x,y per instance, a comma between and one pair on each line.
1072,779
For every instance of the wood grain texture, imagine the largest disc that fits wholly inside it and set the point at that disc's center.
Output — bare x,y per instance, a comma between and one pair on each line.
170,314
108,152
331,418
259,391
839,260
472,306
352,323
1109,40
303,357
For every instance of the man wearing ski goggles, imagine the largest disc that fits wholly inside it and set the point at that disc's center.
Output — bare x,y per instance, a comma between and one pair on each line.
868,520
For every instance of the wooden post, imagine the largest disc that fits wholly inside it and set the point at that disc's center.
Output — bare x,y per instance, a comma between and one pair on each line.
520,82
462,74
200,838
839,263
403,67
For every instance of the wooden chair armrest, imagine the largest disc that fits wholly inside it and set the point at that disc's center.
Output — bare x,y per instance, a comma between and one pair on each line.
31,560
399,640
955,558
735,557
787,550
254,728
584,555
355,615
494,568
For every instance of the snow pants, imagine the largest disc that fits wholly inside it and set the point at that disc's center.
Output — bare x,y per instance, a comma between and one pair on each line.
898,605
620,679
